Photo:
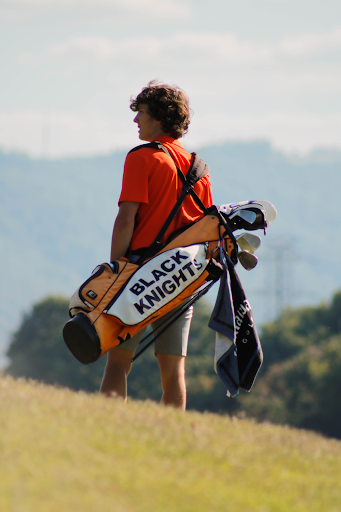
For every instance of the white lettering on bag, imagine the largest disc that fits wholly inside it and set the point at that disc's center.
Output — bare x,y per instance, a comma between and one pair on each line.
158,282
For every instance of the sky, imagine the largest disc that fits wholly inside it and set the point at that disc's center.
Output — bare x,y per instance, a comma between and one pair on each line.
253,69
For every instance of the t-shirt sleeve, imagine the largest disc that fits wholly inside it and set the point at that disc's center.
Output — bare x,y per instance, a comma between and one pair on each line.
135,178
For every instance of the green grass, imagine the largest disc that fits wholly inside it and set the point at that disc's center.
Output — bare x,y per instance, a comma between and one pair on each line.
73,452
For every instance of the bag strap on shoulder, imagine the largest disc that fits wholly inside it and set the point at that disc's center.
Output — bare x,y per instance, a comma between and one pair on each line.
197,170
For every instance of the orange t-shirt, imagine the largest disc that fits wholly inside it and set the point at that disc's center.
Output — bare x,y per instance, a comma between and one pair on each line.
151,179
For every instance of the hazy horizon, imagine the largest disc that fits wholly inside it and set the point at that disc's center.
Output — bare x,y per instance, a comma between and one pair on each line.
311,152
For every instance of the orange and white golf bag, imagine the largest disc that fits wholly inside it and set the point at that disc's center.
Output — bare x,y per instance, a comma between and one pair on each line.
121,298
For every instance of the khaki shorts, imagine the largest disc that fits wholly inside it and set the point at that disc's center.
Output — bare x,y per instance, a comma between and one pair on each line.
174,340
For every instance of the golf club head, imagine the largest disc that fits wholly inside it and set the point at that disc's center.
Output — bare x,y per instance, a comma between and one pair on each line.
246,215
247,260
267,209
248,242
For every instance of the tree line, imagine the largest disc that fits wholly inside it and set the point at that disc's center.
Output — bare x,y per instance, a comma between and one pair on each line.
298,383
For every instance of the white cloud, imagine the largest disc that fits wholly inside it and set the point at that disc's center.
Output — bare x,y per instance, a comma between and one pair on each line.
311,43
234,49
106,49
208,48
224,45
99,47
173,9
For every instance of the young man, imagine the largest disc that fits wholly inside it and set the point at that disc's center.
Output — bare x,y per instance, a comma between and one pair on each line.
150,189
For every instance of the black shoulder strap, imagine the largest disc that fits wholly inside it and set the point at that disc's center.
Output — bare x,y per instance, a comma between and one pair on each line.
153,145
198,169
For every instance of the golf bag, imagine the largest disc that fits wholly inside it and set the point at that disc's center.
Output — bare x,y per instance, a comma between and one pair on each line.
121,298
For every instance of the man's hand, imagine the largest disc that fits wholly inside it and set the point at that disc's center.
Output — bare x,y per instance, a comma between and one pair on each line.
123,229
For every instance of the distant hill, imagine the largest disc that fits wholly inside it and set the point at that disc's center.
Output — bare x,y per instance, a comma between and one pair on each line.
56,218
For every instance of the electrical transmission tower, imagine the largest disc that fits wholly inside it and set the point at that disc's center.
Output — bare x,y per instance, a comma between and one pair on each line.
45,136
282,253
279,280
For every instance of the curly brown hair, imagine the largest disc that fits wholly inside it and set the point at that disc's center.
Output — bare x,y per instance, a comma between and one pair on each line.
168,104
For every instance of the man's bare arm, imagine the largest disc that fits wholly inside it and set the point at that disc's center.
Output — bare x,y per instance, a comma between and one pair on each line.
123,229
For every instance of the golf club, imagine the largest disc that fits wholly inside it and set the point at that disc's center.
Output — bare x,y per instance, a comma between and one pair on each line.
247,260
248,242
246,215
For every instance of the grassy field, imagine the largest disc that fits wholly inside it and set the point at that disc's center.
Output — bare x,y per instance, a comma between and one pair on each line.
73,452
